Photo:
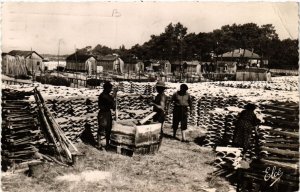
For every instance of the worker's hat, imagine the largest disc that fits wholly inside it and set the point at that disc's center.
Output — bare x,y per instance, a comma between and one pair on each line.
107,85
161,84
184,87
250,106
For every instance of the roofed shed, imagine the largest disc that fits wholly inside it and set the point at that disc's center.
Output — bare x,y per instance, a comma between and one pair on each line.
32,60
81,62
111,63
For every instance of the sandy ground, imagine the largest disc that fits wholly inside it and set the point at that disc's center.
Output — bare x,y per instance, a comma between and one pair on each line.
175,167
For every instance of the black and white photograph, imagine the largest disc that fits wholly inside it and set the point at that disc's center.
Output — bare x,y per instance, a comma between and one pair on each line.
149,96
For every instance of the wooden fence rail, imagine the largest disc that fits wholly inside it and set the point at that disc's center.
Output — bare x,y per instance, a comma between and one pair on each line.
285,71
14,82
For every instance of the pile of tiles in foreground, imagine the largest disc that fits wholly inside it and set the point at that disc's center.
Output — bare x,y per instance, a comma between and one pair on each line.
21,134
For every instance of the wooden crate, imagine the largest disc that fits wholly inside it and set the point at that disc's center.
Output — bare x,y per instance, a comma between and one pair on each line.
140,139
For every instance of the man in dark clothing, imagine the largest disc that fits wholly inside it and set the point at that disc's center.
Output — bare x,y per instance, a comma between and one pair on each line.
244,126
181,100
159,103
106,102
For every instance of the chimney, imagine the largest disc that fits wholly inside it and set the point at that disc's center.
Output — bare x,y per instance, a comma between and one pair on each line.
252,52
240,50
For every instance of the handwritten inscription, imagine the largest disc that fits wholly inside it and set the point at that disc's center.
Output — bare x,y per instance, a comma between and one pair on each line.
116,13
272,174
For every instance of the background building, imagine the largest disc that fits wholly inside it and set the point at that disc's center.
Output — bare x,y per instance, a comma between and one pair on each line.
80,62
32,61
111,63
243,57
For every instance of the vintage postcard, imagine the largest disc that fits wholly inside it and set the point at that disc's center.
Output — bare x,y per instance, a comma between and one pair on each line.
149,96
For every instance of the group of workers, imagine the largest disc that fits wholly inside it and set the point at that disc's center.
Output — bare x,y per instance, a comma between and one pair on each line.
181,99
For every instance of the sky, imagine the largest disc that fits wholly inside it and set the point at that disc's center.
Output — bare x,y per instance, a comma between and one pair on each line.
62,27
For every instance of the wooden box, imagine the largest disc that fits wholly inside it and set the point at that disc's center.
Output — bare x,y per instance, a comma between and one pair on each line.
128,138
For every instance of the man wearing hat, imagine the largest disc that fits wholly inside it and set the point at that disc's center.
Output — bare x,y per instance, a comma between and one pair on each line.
106,103
182,100
159,103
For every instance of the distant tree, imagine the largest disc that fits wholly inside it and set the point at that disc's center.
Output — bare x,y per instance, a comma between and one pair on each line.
102,50
285,54
175,44
168,45
85,50
122,51
138,51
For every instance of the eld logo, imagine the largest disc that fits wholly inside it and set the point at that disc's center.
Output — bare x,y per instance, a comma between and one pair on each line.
272,174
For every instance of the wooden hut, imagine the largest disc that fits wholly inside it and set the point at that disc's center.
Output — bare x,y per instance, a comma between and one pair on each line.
160,66
166,66
32,60
81,62
242,56
4,57
155,66
13,65
133,67
226,67
111,63
188,67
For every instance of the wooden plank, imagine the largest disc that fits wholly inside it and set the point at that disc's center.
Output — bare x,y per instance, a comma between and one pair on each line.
292,116
282,145
121,146
288,166
118,128
285,133
64,141
281,152
275,123
146,149
60,131
42,114
122,139
289,159
287,141
280,108
144,120
147,134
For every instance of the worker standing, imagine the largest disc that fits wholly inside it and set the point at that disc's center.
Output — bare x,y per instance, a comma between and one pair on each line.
159,103
106,103
181,100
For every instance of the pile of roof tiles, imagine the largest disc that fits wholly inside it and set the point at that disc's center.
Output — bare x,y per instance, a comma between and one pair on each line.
227,157
79,111
136,88
73,114
283,84
275,147
279,144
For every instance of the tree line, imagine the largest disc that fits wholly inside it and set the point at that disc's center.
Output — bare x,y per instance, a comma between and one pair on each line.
176,44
